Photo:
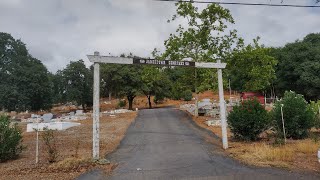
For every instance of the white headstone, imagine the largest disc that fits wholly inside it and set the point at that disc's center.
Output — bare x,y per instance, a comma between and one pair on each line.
79,112
204,103
47,117
34,116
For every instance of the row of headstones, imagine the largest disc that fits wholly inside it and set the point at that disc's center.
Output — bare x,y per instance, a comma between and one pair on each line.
49,116
207,108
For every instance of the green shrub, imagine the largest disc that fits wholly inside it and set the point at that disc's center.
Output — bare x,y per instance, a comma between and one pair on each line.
158,99
50,145
297,114
10,140
248,120
315,106
122,103
177,91
176,94
187,95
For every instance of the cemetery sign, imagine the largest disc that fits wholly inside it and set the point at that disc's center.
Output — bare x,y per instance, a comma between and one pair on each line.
162,63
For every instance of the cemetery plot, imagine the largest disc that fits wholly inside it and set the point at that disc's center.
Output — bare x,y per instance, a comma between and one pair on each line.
74,148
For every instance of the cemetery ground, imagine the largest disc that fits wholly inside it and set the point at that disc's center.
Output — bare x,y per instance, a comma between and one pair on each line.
74,147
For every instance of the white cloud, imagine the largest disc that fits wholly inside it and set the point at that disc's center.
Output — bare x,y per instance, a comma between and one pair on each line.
59,31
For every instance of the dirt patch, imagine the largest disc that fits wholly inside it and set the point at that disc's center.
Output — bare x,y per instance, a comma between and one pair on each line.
75,150
201,121
141,102
215,95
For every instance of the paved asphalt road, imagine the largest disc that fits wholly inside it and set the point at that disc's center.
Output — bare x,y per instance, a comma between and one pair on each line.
166,144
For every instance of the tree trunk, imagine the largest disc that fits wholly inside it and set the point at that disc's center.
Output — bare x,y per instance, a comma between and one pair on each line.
196,111
130,100
84,107
109,96
149,100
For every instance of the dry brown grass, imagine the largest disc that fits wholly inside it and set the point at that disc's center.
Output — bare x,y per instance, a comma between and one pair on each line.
307,146
70,163
262,154
293,155
282,153
79,165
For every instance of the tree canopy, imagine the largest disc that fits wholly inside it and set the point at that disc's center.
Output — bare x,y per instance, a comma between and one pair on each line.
299,67
110,79
122,80
204,37
25,81
251,68
155,82
130,83
77,82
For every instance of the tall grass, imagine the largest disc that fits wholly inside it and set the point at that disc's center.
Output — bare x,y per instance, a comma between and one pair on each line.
264,154
307,147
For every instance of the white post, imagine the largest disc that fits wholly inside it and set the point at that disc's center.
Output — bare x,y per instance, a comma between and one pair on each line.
230,89
37,144
96,110
222,110
265,100
196,111
284,131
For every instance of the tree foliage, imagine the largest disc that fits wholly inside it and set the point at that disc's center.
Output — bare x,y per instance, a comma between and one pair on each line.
315,106
203,39
10,140
180,78
58,87
298,115
122,80
299,66
25,81
130,83
77,83
187,95
155,82
110,78
248,120
251,68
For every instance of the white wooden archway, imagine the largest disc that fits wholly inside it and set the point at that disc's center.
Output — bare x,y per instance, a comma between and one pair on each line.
97,59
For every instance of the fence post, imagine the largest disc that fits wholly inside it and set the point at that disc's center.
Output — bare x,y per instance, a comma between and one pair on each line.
284,131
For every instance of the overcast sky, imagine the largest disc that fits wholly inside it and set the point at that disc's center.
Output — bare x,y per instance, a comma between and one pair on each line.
57,31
